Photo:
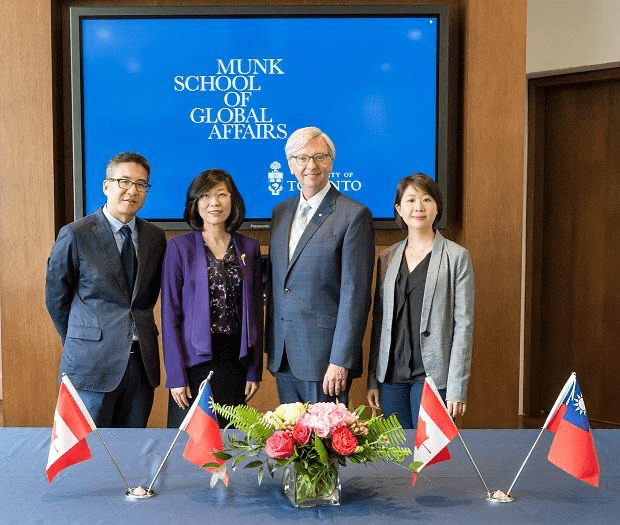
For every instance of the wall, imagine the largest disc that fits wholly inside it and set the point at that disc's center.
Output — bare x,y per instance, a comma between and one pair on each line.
489,117
564,34
26,210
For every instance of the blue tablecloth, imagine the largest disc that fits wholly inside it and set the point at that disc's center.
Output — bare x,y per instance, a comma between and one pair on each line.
449,493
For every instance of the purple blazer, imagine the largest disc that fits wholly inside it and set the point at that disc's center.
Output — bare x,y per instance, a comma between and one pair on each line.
185,310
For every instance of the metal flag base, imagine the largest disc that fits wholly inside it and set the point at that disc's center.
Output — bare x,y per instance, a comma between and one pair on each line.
499,496
139,493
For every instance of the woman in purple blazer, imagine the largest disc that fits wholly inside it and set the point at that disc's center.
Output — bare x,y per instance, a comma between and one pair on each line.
212,302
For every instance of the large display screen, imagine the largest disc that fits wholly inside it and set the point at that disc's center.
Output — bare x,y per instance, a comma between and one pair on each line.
200,89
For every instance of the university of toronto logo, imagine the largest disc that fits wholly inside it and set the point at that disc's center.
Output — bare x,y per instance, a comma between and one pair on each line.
275,178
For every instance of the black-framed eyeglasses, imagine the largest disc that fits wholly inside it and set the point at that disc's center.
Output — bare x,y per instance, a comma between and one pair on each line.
318,158
125,184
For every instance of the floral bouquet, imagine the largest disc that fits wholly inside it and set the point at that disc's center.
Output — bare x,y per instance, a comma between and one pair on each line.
308,442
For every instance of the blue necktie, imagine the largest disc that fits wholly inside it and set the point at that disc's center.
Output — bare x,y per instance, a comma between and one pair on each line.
128,258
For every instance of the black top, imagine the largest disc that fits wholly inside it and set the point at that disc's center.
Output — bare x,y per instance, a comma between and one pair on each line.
405,363
225,289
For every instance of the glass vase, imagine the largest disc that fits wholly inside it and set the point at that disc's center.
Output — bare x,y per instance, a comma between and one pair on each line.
324,491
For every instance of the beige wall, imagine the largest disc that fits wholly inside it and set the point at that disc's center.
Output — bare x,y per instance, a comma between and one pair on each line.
26,207
565,34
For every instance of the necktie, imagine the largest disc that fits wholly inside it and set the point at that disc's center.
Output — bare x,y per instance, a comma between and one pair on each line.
128,258
298,227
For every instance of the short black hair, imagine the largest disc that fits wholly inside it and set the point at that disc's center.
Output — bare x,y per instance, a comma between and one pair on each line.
128,156
201,184
423,182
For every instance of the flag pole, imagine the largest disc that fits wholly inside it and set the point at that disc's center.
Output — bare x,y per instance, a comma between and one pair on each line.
181,428
570,382
112,458
164,460
76,396
528,457
474,464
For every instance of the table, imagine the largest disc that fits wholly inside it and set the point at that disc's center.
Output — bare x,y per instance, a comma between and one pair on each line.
449,493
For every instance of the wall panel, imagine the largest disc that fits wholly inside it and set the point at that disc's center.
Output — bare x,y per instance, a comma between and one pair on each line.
493,166
29,344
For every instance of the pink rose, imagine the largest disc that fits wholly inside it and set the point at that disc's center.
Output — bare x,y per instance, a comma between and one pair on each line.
280,445
301,433
321,428
343,441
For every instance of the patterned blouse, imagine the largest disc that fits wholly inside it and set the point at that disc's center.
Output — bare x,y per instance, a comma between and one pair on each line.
225,289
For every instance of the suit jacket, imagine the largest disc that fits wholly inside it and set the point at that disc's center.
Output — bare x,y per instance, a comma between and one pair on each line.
319,302
186,317
447,319
87,296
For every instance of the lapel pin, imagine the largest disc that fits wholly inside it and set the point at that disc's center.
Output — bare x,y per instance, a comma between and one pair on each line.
243,258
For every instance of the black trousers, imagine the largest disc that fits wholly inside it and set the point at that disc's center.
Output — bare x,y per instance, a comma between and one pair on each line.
227,382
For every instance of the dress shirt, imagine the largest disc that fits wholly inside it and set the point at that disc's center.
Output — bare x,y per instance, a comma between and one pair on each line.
314,201
116,226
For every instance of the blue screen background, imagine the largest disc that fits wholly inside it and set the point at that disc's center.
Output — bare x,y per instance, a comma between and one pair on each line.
369,83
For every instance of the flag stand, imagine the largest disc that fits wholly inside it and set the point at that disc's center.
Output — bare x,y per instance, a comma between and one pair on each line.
137,492
141,492
499,496
488,493
150,489
505,497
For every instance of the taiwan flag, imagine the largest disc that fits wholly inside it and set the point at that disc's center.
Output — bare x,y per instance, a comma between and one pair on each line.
72,423
572,448
204,432
435,429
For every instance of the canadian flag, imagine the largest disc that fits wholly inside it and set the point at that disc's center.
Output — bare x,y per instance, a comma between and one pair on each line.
434,431
72,423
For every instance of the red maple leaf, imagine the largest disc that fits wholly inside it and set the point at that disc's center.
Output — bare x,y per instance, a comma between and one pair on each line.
420,436
54,435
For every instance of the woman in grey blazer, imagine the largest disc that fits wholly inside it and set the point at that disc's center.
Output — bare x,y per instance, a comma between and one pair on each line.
423,310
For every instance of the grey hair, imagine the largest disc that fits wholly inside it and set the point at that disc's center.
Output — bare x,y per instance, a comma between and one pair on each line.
299,138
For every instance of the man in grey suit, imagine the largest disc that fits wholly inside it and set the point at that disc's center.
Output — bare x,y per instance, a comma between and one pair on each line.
322,259
103,280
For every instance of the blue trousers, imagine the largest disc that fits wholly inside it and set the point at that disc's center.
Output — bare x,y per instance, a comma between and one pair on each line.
128,405
403,399
293,390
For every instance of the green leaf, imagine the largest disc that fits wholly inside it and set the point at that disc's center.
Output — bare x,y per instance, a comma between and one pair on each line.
221,455
253,464
238,459
320,448
247,419
211,465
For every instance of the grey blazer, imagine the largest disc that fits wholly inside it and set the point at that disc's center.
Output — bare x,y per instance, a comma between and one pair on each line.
446,326
319,302
87,297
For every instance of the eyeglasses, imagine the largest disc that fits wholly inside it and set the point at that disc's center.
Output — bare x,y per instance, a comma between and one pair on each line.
125,184
221,196
318,158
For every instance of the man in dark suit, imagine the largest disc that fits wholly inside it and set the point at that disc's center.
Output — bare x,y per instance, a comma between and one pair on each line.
322,259
103,279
